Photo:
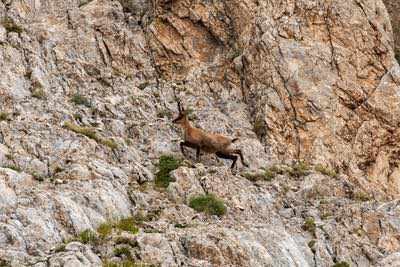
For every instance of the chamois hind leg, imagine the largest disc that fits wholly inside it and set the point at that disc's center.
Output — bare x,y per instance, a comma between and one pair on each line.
191,145
228,156
239,152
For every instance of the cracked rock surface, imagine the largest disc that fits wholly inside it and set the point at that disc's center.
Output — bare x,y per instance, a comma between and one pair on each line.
88,90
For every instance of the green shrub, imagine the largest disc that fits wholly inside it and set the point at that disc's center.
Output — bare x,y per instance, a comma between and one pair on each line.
166,165
326,171
125,263
361,196
39,93
128,225
13,167
11,26
87,237
4,263
123,251
341,264
298,170
105,229
109,142
309,225
209,204
81,100
90,133
3,116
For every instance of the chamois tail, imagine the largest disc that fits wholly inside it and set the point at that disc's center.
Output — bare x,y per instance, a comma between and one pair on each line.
234,140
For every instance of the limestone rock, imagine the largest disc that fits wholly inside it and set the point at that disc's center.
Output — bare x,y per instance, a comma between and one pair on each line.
309,88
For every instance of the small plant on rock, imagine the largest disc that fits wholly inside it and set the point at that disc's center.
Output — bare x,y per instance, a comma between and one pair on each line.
209,204
310,225
299,169
123,252
128,225
87,237
326,171
166,165
341,264
105,229
78,99
3,116
11,26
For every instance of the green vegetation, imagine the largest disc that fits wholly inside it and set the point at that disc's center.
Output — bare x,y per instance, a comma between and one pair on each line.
299,169
341,264
309,225
361,196
166,164
4,263
13,167
326,171
124,240
81,100
128,225
3,116
123,251
11,26
124,263
38,93
90,133
105,229
209,204
87,237
266,175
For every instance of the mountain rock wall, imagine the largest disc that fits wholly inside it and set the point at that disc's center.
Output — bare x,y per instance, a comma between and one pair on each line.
88,90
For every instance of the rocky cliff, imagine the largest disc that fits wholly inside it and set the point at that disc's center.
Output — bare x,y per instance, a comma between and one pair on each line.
88,90
393,8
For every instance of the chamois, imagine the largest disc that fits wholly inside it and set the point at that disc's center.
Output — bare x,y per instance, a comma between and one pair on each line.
208,142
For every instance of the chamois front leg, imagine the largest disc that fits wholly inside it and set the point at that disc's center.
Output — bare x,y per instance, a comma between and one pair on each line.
228,156
191,145
239,152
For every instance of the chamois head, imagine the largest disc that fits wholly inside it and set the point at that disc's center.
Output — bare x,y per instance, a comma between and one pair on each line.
182,117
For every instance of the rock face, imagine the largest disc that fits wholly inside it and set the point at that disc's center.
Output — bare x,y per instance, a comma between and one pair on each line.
393,8
87,93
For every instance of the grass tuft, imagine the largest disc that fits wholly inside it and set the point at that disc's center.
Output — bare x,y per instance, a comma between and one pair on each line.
341,264
326,171
105,229
11,26
39,93
128,225
124,263
309,225
81,100
90,133
299,169
3,116
209,204
166,164
123,251
87,237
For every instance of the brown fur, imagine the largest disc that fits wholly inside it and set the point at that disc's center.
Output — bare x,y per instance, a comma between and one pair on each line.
207,142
